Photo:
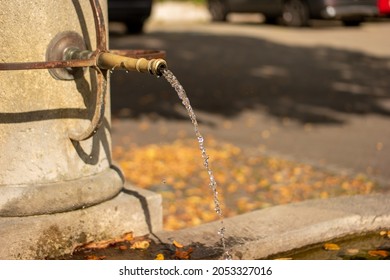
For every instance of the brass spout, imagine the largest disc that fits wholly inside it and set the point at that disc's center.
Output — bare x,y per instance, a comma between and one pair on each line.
111,61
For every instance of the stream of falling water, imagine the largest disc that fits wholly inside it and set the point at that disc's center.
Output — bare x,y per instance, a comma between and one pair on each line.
168,75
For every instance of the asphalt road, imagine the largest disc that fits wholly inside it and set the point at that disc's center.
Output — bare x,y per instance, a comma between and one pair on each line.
319,95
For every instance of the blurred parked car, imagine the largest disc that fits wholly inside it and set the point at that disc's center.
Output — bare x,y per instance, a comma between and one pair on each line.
133,13
384,7
297,12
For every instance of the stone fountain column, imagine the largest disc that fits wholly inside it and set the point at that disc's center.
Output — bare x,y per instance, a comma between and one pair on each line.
55,192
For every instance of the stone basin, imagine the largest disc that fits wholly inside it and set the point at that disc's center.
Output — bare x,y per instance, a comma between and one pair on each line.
263,233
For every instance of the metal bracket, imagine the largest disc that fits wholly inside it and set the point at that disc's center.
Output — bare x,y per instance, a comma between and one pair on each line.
63,66
57,50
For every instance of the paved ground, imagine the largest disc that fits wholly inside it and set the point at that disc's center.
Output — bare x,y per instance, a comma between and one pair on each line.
319,95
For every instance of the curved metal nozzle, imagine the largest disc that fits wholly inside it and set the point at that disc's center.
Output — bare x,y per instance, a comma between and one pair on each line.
115,62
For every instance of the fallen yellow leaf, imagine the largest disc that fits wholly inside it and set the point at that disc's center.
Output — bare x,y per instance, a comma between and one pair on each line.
177,244
95,258
331,247
159,257
143,244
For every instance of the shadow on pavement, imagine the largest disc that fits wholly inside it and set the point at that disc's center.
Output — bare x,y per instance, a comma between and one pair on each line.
226,75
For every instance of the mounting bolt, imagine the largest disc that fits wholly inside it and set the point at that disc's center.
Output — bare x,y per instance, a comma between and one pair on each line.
61,48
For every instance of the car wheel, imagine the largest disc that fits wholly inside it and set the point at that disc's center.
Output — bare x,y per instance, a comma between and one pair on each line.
134,27
352,22
295,13
217,10
270,19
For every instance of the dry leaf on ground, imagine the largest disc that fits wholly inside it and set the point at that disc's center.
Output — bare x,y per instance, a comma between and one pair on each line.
95,258
378,253
183,254
331,247
142,244
385,233
106,243
177,244
245,182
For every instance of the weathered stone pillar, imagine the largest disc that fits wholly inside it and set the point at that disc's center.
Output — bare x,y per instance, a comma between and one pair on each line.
42,171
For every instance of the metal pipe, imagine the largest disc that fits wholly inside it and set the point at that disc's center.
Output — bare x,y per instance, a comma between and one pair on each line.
106,60
110,61
47,64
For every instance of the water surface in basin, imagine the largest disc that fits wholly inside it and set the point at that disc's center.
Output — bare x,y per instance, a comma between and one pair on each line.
369,246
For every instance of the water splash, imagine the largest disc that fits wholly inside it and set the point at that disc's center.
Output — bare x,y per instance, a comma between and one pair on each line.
168,75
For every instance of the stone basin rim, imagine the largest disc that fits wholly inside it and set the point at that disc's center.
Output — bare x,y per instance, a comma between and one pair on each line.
282,228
